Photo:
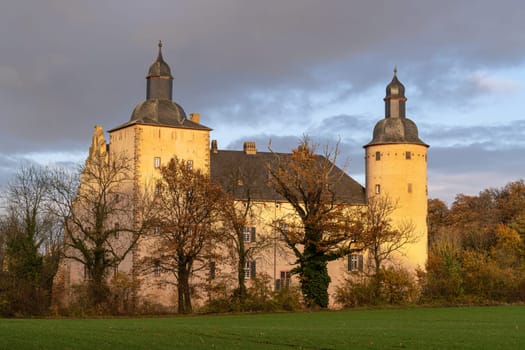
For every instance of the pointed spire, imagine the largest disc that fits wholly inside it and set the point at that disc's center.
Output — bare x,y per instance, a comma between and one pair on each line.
159,77
395,98
159,56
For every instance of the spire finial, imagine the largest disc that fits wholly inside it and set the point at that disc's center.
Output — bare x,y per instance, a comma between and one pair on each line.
395,71
159,57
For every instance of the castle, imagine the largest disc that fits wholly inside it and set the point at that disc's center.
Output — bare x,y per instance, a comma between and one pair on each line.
159,129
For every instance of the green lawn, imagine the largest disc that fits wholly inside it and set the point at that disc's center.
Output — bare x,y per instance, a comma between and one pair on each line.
424,328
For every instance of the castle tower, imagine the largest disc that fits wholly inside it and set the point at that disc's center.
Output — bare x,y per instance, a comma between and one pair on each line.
396,167
159,129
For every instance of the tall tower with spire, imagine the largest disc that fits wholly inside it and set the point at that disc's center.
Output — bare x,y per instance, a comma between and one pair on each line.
159,129
396,167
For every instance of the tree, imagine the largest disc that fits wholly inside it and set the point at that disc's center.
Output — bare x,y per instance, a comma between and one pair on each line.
186,205
103,219
475,219
437,215
381,236
241,184
510,204
31,239
323,228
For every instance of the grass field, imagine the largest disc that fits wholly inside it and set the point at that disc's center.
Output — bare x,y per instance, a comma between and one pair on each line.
421,328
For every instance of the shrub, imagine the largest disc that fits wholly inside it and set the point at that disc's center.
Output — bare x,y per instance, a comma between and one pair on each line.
397,286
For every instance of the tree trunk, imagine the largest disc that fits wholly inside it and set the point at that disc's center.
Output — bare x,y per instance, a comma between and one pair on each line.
98,289
313,273
241,292
183,287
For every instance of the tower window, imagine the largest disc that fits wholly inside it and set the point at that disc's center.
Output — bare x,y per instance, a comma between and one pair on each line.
156,269
212,270
378,155
378,189
409,188
408,155
156,162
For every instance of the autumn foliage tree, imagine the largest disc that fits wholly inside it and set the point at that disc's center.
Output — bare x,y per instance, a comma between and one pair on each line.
322,228
186,205
477,253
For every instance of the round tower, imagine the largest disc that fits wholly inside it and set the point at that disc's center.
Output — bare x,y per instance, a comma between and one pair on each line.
396,167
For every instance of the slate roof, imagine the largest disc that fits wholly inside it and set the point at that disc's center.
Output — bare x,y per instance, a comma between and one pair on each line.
225,164
395,130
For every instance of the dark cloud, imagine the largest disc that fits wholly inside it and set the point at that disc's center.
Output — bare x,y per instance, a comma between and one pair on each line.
69,65
505,137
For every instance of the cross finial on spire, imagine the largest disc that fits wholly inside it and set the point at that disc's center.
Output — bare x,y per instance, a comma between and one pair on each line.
395,70
160,44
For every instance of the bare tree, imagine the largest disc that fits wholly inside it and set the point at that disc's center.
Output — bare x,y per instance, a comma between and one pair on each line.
103,219
31,237
323,228
239,213
381,236
186,206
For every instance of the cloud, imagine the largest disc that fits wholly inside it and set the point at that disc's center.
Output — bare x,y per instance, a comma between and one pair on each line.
77,64
485,82
266,69
502,136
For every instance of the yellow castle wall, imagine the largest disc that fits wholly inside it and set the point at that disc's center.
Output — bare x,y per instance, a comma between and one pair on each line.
142,144
405,181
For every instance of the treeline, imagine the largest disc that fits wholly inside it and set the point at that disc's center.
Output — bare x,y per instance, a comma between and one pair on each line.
476,256
476,248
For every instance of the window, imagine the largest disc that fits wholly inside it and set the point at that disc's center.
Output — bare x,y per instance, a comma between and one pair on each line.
284,281
409,188
378,189
189,164
378,155
158,188
283,229
355,262
249,234
249,270
115,271
117,231
212,270
156,162
408,155
156,230
156,269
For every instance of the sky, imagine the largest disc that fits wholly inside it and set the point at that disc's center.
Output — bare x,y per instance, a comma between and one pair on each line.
273,70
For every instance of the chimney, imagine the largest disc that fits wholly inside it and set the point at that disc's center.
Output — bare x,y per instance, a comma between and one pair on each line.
195,117
214,148
250,147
